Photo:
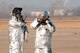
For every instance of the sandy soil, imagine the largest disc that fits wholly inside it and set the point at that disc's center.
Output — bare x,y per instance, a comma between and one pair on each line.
66,39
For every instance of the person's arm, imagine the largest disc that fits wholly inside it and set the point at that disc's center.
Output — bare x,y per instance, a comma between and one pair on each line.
14,23
51,26
34,24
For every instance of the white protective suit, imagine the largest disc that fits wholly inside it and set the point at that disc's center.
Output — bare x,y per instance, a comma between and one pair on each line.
16,36
43,37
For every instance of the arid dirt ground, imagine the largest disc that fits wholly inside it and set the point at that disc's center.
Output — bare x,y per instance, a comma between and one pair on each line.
66,39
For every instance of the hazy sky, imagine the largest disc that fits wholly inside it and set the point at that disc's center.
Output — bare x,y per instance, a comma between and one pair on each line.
34,4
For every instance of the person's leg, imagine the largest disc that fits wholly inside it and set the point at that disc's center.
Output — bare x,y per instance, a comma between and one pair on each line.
14,47
10,48
47,50
22,48
37,50
26,36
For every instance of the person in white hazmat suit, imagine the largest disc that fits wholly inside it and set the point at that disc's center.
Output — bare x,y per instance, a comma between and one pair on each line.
44,29
16,32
